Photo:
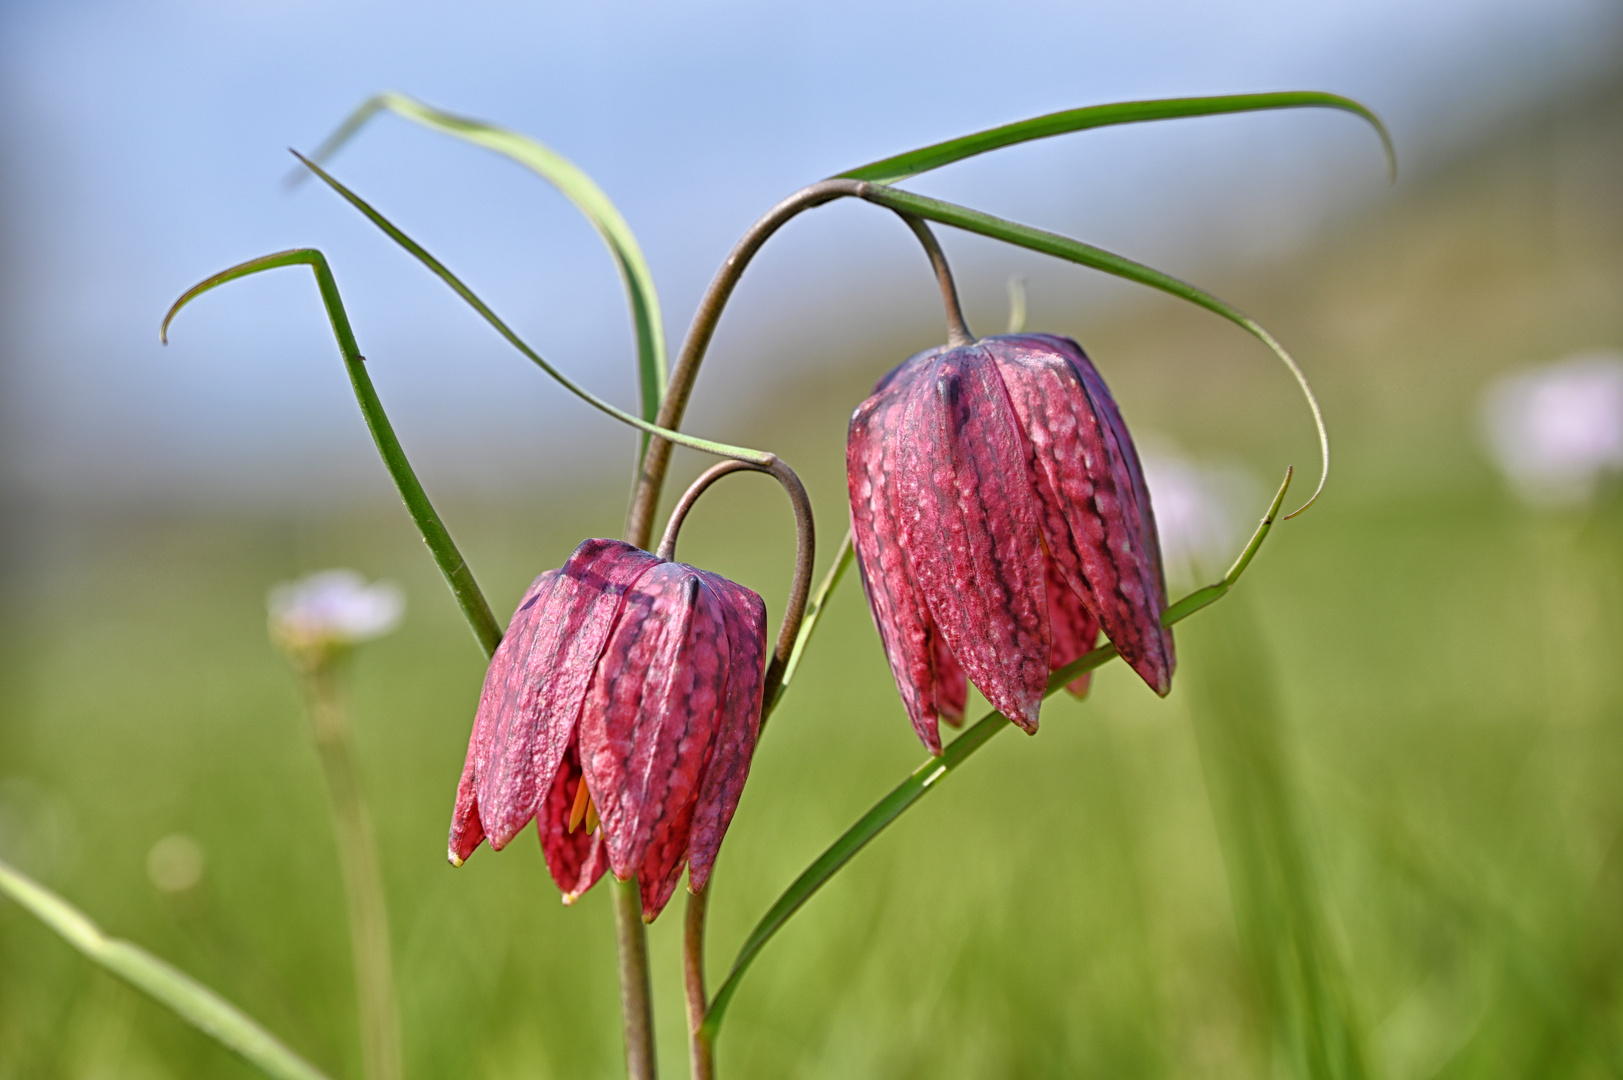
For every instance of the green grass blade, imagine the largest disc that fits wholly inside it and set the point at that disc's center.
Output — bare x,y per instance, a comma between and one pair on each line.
187,998
916,786
808,623
901,166
575,186
450,561
1076,251
1279,903
439,269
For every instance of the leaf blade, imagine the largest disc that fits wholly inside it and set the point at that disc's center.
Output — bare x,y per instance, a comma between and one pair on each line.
469,297
575,185
913,162
458,575
1098,258
183,995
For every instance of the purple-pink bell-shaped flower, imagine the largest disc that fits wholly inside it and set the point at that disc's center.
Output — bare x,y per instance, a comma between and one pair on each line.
620,712
1001,520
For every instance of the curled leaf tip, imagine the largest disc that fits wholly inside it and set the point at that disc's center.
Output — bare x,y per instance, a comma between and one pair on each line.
1279,496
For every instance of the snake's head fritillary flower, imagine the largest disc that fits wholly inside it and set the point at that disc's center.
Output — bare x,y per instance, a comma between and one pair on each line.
322,614
1001,521
620,712
1557,431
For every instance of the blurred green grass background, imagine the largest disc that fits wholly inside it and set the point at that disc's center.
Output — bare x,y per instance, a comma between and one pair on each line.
1374,829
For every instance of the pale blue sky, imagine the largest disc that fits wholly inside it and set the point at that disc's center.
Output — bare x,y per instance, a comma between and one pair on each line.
147,141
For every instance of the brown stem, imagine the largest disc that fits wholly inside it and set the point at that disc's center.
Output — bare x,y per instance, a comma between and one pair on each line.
701,1051
957,329
651,478
805,553
631,938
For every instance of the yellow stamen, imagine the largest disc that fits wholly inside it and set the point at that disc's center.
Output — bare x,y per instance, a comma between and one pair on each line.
591,814
583,800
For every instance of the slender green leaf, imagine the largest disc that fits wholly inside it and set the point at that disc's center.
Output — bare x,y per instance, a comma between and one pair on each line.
808,623
450,561
916,786
577,187
901,166
418,252
1076,251
187,998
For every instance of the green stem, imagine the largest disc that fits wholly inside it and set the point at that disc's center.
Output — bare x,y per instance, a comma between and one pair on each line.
450,561
187,998
636,1000
363,876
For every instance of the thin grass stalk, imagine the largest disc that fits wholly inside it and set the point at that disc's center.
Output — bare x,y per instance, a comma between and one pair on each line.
1278,900
376,1007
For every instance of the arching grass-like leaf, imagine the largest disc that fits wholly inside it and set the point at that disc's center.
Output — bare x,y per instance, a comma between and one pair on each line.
916,786
577,187
183,995
439,269
1076,251
450,561
901,166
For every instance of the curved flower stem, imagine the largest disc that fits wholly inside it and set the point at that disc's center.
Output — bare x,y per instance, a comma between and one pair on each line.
673,524
701,1042
363,876
805,556
700,1049
636,1005
957,329
651,478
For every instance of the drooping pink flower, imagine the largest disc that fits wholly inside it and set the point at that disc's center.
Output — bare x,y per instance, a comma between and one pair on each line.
1001,520
639,678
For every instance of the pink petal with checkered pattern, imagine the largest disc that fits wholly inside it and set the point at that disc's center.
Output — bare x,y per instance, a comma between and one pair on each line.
1096,514
745,617
648,727
930,688
969,522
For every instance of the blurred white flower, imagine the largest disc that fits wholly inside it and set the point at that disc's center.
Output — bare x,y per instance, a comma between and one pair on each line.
175,863
332,609
1557,430
1199,510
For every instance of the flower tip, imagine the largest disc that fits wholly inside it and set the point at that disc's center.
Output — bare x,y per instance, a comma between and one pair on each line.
570,898
453,858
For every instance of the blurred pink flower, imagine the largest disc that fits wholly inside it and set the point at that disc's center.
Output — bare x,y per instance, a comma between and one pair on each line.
333,609
1556,431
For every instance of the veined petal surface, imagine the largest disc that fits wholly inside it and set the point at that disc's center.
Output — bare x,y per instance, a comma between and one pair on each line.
969,521
1096,516
745,618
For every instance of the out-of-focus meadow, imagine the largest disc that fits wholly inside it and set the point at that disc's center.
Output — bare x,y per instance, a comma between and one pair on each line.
1374,829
